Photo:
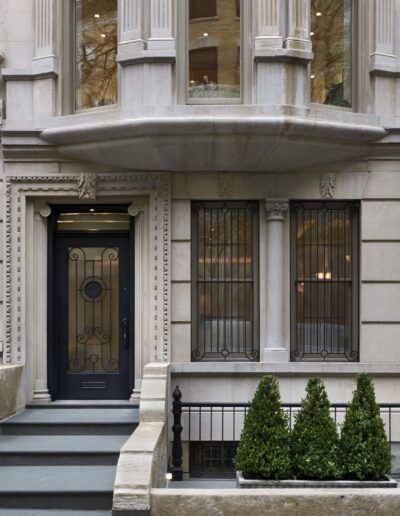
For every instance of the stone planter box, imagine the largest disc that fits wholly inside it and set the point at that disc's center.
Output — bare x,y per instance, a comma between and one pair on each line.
243,483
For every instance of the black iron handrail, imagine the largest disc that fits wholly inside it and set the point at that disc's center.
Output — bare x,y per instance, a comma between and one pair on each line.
217,408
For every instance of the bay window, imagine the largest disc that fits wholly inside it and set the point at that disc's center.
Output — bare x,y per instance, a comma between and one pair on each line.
95,53
331,68
214,50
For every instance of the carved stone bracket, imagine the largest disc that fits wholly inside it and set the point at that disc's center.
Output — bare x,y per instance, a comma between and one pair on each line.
276,209
87,187
225,185
327,186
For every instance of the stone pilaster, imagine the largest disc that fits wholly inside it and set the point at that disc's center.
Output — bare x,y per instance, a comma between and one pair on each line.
298,37
383,58
41,392
45,61
161,35
130,22
275,350
269,27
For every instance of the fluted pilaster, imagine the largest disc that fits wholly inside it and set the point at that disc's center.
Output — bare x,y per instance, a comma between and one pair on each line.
161,35
383,57
269,27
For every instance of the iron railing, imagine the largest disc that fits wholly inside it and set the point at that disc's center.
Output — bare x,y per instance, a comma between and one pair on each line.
209,433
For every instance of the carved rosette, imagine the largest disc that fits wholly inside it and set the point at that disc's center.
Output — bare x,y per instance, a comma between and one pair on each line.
327,186
87,187
276,209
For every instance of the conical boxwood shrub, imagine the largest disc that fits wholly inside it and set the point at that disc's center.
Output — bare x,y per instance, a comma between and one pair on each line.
364,447
314,439
264,449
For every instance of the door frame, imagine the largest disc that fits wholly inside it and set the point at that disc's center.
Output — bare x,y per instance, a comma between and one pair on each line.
52,368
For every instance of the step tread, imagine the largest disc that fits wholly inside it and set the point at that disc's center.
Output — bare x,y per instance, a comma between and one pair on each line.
57,479
73,416
57,444
83,404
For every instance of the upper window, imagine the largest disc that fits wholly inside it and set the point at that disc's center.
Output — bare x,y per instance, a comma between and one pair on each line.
95,53
202,9
331,69
324,281
225,281
214,49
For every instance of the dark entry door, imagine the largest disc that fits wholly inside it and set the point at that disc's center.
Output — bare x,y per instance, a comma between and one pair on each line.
92,316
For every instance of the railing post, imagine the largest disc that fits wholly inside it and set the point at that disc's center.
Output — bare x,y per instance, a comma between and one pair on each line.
177,471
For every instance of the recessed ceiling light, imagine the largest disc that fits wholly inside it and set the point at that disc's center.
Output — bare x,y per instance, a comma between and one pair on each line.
92,210
318,13
205,34
312,76
103,35
97,15
311,33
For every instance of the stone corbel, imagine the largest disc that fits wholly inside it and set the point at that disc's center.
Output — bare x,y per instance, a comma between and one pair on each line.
86,184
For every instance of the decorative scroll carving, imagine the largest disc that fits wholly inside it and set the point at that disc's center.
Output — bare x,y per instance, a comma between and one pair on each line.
44,210
225,185
87,187
276,209
134,209
327,186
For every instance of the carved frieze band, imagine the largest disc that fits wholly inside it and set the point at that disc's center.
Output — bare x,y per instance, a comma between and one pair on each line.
276,209
156,186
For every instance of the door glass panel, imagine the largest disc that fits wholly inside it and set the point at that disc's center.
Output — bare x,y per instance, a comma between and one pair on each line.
96,221
93,310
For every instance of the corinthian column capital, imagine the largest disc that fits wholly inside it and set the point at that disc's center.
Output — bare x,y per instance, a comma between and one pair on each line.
276,209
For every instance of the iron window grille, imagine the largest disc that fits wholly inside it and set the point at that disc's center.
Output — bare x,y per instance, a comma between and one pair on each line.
225,281
325,272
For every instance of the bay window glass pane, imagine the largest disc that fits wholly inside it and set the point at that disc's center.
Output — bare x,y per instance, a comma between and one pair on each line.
326,264
225,274
214,49
331,68
95,53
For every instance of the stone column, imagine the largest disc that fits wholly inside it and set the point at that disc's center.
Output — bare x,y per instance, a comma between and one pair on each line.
275,350
45,62
383,58
136,210
298,37
269,29
41,392
161,37
130,16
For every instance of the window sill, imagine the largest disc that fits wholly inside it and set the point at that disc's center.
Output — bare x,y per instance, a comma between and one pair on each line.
286,368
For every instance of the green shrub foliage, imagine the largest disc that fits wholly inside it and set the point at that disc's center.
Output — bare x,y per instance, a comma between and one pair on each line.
364,447
264,449
315,440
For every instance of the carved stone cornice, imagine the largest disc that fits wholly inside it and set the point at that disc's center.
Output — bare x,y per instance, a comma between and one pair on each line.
276,209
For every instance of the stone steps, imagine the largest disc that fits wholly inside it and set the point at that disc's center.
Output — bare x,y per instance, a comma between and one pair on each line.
62,457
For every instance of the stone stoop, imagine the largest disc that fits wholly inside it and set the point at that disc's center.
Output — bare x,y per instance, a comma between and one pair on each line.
61,458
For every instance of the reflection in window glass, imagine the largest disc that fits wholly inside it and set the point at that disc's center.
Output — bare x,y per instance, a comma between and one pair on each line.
331,38
214,51
202,9
95,54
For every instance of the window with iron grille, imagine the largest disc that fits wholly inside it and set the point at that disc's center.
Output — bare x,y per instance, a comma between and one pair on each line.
225,281
324,297
212,459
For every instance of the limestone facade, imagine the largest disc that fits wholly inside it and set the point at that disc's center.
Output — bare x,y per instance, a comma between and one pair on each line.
159,153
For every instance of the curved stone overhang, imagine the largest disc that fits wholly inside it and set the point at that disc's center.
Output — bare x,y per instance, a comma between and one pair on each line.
208,142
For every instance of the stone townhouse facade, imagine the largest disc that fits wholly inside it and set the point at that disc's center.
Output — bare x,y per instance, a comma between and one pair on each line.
214,184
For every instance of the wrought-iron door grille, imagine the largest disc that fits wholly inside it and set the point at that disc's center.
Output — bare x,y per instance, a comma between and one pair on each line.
225,281
93,303
324,280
